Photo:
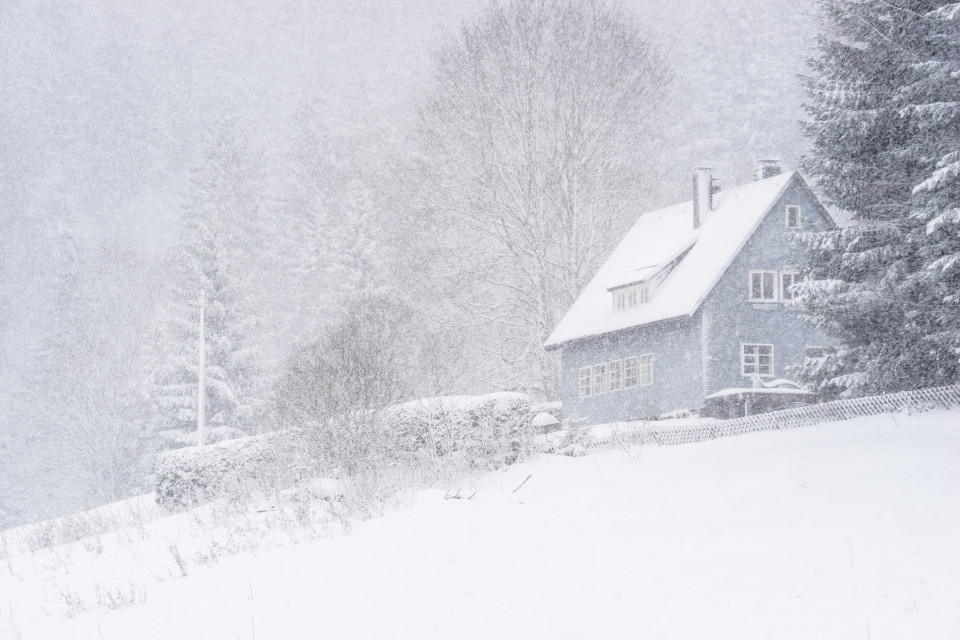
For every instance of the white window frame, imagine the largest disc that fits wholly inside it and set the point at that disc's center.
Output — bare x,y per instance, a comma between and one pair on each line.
752,360
774,282
645,377
631,371
785,294
586,381
793,209
615,382
643,293
599,379
631,297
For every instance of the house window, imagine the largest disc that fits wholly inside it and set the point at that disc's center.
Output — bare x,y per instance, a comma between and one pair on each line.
643,293
646,369
793,217
757,359
630,372
787,280
616,375
763,286
630,297
585,379
619,300
599,378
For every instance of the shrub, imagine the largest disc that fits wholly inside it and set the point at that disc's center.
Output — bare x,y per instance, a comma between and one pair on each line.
577,438
454,433
194,475
334,392
482,432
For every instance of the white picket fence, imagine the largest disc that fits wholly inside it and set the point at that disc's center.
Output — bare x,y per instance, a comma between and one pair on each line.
669,432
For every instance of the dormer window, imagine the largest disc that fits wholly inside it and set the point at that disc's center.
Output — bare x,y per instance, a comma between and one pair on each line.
629,297
793,217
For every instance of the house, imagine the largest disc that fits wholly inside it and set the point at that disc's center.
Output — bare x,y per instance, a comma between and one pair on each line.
696,299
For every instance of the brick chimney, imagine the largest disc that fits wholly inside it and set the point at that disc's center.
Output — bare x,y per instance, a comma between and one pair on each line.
766,169
702,194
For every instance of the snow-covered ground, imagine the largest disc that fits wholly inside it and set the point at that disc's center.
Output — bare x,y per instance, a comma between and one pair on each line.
844,530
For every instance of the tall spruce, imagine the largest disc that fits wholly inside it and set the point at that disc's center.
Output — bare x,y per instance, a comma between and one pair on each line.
219,251
883,104
328,228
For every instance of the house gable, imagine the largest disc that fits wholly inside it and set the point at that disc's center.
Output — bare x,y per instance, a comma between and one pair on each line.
769,232
733,317
716,332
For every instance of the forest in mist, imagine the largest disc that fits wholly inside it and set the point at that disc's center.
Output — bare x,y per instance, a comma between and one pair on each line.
295,160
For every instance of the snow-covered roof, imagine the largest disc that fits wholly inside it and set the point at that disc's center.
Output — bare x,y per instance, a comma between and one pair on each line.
758,391
633,277
656,240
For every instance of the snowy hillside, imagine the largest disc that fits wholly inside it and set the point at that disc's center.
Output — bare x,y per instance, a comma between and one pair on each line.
844,530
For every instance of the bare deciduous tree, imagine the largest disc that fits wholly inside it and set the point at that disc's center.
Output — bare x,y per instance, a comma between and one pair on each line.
534,143
85,400
335,390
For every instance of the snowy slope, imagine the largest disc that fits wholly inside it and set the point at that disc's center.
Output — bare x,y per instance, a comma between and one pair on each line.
845,530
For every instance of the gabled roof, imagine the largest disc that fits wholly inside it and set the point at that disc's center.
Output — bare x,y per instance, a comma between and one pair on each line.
654,243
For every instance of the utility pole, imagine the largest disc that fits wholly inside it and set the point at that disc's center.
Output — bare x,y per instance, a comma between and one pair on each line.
201,386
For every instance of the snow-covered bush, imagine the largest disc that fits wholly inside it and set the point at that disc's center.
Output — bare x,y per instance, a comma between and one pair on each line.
477,431
376,454
576,439
194,475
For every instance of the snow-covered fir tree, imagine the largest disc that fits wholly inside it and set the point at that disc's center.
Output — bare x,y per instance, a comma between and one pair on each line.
328,230
932,97
222,242
883,100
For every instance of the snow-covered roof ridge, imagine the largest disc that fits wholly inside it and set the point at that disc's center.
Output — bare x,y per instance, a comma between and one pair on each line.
655,241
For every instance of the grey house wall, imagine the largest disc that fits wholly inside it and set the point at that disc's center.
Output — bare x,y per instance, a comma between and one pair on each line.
677,363
698,355
730,319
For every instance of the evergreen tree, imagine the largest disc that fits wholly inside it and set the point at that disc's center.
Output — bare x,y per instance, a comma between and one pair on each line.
222,241
884,130
329,230
932,95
